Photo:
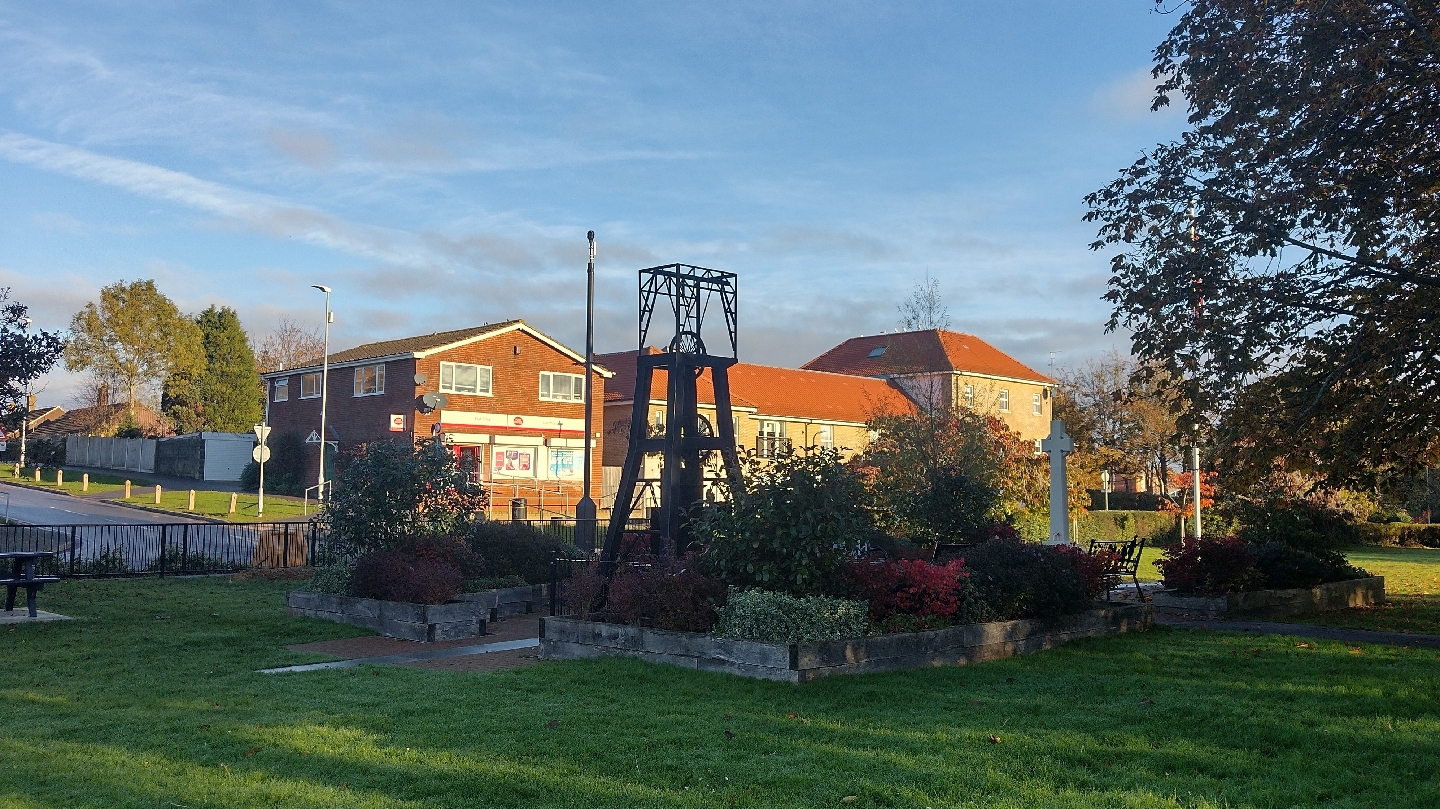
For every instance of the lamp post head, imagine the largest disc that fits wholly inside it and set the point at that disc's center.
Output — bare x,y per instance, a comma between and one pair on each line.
326,290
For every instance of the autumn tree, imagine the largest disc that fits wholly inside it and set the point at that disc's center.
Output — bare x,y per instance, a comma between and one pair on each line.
135,336
289,346
1122,420
25,356
224,394
1280,260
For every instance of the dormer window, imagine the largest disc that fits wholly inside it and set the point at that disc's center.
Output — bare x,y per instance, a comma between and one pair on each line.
876,351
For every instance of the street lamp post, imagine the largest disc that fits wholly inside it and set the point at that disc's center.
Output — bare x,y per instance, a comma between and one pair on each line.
324,392
585,509
24,406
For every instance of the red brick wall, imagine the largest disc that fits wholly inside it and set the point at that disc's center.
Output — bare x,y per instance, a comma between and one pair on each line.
515,385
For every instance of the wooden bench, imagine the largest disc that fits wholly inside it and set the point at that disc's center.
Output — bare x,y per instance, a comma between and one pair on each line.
1126,562
23,575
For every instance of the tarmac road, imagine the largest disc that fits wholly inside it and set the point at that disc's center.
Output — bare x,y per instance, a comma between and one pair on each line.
36,507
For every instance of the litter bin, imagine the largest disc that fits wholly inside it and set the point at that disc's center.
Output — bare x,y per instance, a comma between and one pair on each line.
519,509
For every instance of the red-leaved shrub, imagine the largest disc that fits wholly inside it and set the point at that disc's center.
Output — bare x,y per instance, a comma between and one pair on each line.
667,593
452,551
1210,565
910,587
1099,570
400,576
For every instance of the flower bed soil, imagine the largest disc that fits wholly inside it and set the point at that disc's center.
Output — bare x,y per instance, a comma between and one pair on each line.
570,639
1276,603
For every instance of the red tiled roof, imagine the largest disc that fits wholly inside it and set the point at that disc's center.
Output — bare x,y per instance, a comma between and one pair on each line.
774,391
101,419
410,345
912,352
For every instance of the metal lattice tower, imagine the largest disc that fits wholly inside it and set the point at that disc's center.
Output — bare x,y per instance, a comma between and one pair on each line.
687,439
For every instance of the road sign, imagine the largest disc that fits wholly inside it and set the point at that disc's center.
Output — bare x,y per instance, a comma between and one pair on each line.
4,445
261,453
262,432
313,437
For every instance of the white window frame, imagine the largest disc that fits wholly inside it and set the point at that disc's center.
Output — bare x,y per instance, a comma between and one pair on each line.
825,436
967,394
1036,408
483,374
547,387
277,387
364,374
1004,400
316,378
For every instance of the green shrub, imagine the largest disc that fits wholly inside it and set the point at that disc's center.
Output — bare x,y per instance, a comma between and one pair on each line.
778,617
1400,534
480,585
332,579
285,471
1155,527
1210,565
1287,568
517,549
792,528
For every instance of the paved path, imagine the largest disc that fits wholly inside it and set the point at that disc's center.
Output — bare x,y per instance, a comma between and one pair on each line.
36,507
1306,631
415,657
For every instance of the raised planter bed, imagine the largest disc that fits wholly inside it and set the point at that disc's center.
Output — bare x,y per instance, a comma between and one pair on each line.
1276,603
571,639
395,619
508,601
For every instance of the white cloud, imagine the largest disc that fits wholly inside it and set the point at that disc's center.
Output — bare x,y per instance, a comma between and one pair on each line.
1127,99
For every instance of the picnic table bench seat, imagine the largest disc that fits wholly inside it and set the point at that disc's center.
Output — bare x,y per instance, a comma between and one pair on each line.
23,575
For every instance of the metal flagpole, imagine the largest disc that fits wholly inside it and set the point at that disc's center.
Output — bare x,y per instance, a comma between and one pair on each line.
324,392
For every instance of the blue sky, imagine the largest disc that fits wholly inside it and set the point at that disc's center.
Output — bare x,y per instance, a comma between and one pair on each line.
439,164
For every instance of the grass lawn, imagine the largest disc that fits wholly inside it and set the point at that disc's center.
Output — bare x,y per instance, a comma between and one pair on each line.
217,504
151,701
1412,587
98,482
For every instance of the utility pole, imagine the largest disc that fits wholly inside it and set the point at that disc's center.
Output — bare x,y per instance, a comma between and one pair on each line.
324,392
585,509
25,407
1195,473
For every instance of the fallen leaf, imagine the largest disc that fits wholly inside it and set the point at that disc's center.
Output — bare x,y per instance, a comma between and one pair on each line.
554,723
850,799
1357,651
729,735
994,739
345,785
803,719
252,751
1147,702
225,768
789,716
1302,646
206,725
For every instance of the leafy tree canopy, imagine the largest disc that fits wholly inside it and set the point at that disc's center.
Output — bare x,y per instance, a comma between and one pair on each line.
24,356
1303,311
135,336
224,394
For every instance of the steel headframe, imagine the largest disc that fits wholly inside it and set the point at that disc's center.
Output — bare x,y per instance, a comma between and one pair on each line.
688,438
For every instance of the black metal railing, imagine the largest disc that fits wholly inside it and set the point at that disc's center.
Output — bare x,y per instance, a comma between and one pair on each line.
567,530
167,548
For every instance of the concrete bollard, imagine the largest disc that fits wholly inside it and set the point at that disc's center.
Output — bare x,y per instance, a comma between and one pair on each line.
37,474
191,505
59,478
157,494
233,495
85,482
127,490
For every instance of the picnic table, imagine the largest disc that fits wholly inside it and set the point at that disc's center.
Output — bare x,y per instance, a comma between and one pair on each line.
22,574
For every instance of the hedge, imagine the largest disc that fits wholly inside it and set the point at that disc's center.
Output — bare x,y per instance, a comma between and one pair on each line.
1400,534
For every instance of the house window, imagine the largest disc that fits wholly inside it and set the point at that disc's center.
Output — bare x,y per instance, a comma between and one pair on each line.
1035,404
876,351
771,442
282,390
561,387
309,386
969,395
457,377
825,437
369,380
1004,400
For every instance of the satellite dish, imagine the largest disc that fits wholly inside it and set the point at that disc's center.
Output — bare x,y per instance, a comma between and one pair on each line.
421,379
431,401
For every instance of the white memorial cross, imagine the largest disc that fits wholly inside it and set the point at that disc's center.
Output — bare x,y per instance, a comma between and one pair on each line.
1058,444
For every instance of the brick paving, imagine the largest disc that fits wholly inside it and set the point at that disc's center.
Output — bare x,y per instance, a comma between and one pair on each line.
515,628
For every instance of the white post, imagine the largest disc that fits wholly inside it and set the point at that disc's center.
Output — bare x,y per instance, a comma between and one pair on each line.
1058,445
25,415
1195,479
324,393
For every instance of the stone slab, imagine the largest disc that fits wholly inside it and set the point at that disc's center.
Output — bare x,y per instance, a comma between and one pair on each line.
21,615
1338,595
568,639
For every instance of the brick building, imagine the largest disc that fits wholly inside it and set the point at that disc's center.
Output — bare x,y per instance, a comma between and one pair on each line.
939,368
514,408
773,408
